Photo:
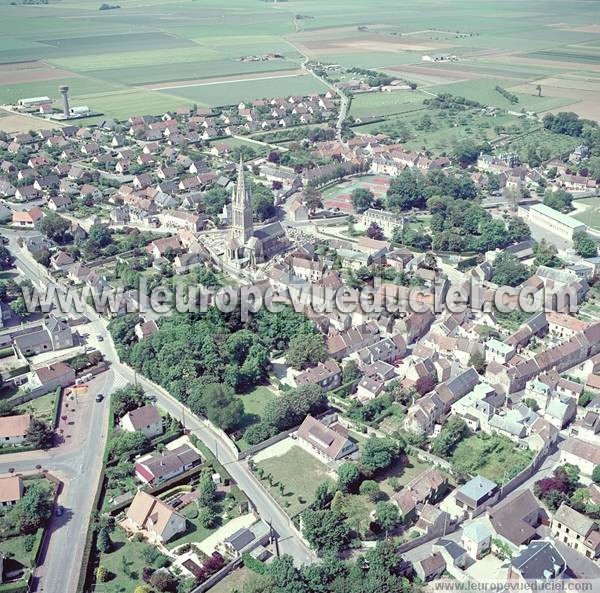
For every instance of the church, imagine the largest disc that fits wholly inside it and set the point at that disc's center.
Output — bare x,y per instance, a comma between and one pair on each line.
247,246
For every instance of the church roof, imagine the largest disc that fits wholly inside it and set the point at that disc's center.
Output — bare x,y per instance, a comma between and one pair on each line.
271,230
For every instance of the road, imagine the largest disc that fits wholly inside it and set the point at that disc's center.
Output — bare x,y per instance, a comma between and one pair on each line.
83,466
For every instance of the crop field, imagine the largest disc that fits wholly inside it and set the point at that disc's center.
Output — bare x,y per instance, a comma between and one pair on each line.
121,59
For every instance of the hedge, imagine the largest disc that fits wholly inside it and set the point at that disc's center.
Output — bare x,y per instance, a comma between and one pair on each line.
17,449
56,411
253,564
20,586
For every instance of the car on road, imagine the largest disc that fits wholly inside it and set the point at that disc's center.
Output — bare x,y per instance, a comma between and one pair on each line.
59,510
99,397
100,338
151,397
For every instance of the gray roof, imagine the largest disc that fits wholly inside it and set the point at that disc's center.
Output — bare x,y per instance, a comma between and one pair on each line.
478,488
540,560
240,539
451,547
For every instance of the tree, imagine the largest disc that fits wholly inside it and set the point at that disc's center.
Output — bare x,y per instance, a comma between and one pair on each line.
517,230
19,307
378,453
6,258
39,435
55,227
326,530
546,255
223,407
386,515
362,199
33,510
104,542
163,581
312,198
584,245
350,372
348,476
424,385
375,232
370,488
596,475
531,404
508,270
101,574
322,495
559,200
306,350
406,191
208,490
126,443
126,399
207,517
454,431
477,361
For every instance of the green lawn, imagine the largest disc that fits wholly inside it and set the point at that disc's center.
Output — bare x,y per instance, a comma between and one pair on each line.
22,548
493,457
371,104
125,563
591,214
255,403
299,472
41,407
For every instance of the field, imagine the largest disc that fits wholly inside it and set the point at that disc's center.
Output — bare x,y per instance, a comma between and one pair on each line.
254,407
298,486
588,211
119,60
491,456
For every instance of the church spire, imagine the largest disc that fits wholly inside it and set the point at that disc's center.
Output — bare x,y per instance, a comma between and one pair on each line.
241,208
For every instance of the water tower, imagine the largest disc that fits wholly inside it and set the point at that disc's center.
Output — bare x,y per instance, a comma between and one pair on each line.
64,91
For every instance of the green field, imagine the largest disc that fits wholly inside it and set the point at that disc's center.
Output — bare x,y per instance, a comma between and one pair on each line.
591,214
299,486
255,403
373,104
493,457
154,42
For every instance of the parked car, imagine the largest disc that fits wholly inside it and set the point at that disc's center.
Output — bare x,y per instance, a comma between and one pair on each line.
59,510
99,397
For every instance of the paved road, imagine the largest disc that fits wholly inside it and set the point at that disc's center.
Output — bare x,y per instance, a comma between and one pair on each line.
88,464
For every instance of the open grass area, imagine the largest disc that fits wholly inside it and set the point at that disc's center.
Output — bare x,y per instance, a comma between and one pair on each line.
22,548
41,407
588,211
298,485
255,403
125,563
373,104
494,457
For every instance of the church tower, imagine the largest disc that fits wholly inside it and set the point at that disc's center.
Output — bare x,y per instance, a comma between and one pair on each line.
241,209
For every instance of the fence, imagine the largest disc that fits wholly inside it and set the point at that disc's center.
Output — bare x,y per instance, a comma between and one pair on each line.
264,444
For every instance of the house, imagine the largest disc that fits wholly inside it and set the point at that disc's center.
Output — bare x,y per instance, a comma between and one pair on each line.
59,202
169,464
341,344
385,350
539,561
515,519
297,211
61,260
576,530
27,218
424,488
431,567
58,374
454,555
53,334
11,491
329,443
14,428
477,492
160,247
328,375
246,539
156,518
144,419
189,221
144,329
476,540
584,455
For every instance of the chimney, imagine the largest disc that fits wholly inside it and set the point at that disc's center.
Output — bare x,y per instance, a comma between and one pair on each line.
64,90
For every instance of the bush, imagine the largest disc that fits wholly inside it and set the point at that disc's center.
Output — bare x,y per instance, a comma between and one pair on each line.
259,432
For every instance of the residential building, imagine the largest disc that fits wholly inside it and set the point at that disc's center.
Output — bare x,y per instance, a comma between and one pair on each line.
14,428
11,491
169,464
326,442
584,455
576,530
328,375
539,561
477,492
144,419
155,518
